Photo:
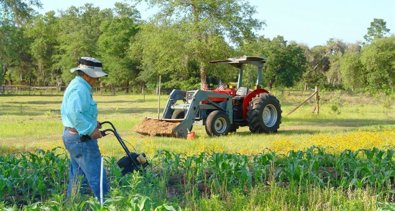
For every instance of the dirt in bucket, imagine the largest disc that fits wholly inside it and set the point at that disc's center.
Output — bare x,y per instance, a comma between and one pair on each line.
156,127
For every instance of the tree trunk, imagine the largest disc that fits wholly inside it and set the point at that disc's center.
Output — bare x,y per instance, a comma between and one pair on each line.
59,84
3,71
127,87
41,73
198,35
113,90
142,91
101,88
270,85
203,77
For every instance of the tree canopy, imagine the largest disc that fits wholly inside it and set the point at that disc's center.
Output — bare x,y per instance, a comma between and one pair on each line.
379,66
178,43
377,29
205,25
13,14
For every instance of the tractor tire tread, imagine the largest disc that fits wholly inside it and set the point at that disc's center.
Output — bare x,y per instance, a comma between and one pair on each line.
254,115
210,123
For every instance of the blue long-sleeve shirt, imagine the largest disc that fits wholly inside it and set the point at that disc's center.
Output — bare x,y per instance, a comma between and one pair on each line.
79,110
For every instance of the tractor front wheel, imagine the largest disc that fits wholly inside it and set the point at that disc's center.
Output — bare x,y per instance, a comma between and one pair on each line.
264,114
217,123
178,114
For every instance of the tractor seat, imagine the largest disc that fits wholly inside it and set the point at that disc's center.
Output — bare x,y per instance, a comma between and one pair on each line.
242,91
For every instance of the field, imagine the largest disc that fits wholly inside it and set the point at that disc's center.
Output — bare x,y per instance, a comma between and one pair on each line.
342,158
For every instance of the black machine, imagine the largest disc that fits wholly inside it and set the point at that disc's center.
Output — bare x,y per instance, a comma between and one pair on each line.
133,161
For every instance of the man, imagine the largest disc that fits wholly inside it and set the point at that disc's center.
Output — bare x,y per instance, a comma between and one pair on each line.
79,118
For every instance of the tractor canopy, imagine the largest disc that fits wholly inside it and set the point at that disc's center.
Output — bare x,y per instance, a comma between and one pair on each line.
237,62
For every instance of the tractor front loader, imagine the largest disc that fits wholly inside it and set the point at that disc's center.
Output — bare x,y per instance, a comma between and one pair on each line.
178,119
221,110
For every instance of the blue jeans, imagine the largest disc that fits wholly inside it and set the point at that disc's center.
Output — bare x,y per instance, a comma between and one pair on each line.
85,161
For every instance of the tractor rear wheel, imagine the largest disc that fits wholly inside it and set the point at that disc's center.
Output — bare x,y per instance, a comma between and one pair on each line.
264,114
217,123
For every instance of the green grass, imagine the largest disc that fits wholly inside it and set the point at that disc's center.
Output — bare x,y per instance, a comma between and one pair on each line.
30,122
345,122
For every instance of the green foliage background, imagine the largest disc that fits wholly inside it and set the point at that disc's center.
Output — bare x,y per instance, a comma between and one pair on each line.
177,43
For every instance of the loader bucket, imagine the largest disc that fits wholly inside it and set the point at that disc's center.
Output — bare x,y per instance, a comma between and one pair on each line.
158,127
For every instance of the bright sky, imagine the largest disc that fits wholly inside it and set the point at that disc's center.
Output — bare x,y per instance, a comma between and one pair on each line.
312,22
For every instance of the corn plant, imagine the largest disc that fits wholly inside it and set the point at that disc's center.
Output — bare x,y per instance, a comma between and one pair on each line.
32,177
37,180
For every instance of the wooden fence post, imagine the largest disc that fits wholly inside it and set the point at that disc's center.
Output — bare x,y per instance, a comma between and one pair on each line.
159,85
142,92
317,106
317,99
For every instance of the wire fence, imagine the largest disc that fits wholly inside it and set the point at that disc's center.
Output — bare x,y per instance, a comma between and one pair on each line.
30,90
58,90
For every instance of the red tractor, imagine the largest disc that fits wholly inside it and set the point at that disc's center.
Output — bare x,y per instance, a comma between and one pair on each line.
222,110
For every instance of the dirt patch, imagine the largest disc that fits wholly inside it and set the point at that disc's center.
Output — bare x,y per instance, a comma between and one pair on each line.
156,127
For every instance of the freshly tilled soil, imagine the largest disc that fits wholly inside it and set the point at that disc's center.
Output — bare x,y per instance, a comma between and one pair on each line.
156,127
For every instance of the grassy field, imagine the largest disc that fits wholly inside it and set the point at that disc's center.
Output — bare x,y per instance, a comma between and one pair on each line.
344,122
341,159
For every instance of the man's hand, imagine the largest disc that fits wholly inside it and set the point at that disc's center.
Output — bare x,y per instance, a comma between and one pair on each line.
98,125
96,134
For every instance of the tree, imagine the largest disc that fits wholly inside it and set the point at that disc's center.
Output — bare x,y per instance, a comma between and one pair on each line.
117,35
13,13
163,51
324,63
79,35
203,22
17,11
351,68
377,29
15,59
378,61
43,32
160,50
285,64
318,65
7,49
335,51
